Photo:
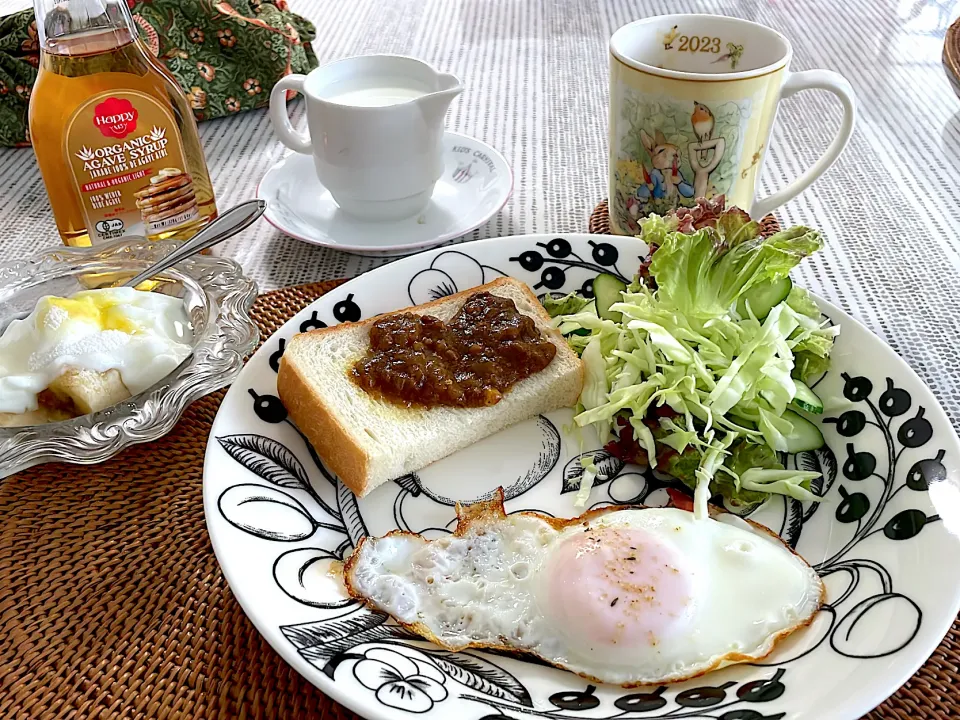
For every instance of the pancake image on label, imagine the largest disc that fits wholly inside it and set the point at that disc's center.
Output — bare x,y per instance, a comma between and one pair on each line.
174,194
168,201
188,209
166,204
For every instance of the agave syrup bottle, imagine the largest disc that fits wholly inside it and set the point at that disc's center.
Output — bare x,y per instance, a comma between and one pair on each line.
113,134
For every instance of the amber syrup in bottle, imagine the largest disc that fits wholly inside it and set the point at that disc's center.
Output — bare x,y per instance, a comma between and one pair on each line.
114,136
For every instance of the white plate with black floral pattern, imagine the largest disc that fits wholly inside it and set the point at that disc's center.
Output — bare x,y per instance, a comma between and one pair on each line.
884,539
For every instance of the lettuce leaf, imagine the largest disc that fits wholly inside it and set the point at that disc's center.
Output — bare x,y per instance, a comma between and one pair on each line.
702,275
682,466
792,483
566,305
813,341
809,367
705,213
802,302
655,229
743,456
590,475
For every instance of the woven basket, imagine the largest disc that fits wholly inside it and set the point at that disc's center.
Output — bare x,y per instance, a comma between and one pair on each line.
951,56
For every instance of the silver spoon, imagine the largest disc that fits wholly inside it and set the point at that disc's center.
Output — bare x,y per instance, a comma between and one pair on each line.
227,225
230,223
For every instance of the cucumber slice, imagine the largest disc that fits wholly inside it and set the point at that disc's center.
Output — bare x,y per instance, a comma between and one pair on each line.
806,399
607,290
804,435
763,297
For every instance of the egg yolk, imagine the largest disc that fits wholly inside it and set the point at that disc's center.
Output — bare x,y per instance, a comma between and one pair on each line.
107,313
619,587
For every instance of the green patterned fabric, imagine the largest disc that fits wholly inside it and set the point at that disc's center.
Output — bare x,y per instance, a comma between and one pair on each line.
225,55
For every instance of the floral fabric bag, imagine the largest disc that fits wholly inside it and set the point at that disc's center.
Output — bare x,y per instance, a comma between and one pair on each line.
225,55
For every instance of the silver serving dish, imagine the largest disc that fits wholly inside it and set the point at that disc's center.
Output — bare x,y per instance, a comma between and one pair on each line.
217,297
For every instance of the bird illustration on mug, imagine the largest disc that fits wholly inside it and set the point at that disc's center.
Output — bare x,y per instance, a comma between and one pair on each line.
669,38
703,123
702,160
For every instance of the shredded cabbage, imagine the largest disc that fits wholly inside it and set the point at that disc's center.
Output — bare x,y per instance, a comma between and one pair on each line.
590,475
726,380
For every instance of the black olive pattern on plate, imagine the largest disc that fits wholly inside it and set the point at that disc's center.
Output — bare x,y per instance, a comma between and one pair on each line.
555,258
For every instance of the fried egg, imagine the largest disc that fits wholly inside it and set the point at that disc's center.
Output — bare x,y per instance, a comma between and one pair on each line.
629,596
142,335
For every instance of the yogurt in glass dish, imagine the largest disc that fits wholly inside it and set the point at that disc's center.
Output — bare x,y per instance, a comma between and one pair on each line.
87,369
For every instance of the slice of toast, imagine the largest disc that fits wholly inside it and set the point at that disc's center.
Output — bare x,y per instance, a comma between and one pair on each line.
41,416
367,441
73,393
89,390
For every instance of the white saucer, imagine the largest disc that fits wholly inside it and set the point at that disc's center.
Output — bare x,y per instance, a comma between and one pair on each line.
475,184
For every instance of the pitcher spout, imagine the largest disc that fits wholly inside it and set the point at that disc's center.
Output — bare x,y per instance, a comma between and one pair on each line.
434,105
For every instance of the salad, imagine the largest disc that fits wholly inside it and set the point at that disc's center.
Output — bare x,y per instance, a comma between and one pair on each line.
702,367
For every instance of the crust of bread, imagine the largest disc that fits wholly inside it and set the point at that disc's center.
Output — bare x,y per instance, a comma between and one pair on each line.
314,415
491,511
456,298
320,423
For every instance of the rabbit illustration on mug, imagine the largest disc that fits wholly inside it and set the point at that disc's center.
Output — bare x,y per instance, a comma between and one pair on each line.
665,181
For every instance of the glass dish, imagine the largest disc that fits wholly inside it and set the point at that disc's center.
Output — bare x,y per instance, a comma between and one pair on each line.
217,297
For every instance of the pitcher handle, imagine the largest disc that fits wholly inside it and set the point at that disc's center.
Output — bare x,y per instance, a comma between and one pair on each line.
279,118
814,80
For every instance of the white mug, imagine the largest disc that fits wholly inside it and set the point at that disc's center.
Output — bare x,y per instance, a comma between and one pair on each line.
375,131
693,100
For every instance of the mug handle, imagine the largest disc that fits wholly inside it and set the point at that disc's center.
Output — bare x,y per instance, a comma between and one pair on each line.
814,80
279,118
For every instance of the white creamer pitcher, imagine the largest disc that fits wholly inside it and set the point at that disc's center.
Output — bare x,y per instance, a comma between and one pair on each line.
375,129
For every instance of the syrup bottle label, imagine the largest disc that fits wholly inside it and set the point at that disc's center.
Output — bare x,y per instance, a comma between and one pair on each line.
127,164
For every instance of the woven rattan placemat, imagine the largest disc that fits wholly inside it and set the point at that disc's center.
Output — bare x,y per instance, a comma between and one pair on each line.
112,604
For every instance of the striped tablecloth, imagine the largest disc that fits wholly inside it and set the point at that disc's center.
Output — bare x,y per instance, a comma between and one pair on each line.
536,89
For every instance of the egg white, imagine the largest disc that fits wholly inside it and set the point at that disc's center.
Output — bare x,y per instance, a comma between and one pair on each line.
142,335
489,585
